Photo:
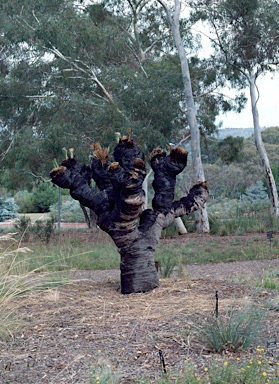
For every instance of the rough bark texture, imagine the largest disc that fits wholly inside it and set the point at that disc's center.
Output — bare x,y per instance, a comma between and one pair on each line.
119,203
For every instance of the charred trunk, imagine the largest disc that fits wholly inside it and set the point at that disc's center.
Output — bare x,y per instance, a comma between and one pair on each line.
138,271
119,203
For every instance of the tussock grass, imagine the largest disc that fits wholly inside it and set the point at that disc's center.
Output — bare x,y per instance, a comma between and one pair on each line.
234,331
10,285
70,255
16,279
268,280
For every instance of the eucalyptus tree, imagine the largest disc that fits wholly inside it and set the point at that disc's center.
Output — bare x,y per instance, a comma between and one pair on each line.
49,96
71,72
156,42
173,17
230,149
244,34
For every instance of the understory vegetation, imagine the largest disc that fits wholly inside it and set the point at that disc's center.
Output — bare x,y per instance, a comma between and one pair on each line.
232,370
35,256
17,277
76,72
33,265
66,249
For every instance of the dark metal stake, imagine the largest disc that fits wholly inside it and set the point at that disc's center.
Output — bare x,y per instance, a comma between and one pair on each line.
162,361
59,208
216,306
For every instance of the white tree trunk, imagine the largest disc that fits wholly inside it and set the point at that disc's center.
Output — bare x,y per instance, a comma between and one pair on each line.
145,188
261,148
179,225
201,216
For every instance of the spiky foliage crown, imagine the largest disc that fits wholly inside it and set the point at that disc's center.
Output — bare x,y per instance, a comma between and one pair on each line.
100,153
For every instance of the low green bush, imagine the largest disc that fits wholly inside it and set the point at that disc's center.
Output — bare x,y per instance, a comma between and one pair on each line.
45,195
8,209
43,230
269,280
167,263
22,225
240,216
25,201
70,212
227,370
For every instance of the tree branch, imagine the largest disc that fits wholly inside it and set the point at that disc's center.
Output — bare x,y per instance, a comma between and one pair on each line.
166,8
166,168
89,72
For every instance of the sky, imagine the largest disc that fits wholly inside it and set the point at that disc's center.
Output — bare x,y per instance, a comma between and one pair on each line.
268,106
268,85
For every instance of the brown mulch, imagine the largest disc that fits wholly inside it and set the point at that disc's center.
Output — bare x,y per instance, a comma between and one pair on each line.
66,331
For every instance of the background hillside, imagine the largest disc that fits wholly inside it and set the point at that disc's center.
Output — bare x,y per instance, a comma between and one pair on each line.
234,132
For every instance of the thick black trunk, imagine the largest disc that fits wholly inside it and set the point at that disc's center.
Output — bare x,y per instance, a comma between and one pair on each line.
138,271
120,199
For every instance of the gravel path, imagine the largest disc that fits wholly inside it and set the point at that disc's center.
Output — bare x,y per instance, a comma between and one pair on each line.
237,270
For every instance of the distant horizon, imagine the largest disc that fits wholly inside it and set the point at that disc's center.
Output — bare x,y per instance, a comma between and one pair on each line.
268,106
222,133
222,128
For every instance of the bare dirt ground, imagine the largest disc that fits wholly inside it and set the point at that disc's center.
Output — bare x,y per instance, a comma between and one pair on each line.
65,331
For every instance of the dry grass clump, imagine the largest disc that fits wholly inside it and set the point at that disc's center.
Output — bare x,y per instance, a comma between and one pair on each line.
11,285
15,280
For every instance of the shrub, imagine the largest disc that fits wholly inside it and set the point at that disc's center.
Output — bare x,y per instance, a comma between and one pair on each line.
254,369
22,226
240,216
43,230
103,374
26,202
8,209
70,212
270,280
168,259
167,263
44,196
230,149
256,192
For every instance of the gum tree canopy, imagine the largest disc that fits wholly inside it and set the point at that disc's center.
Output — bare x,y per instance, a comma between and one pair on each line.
119,202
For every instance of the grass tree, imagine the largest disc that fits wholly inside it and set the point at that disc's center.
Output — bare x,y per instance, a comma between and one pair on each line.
246,41
119,202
